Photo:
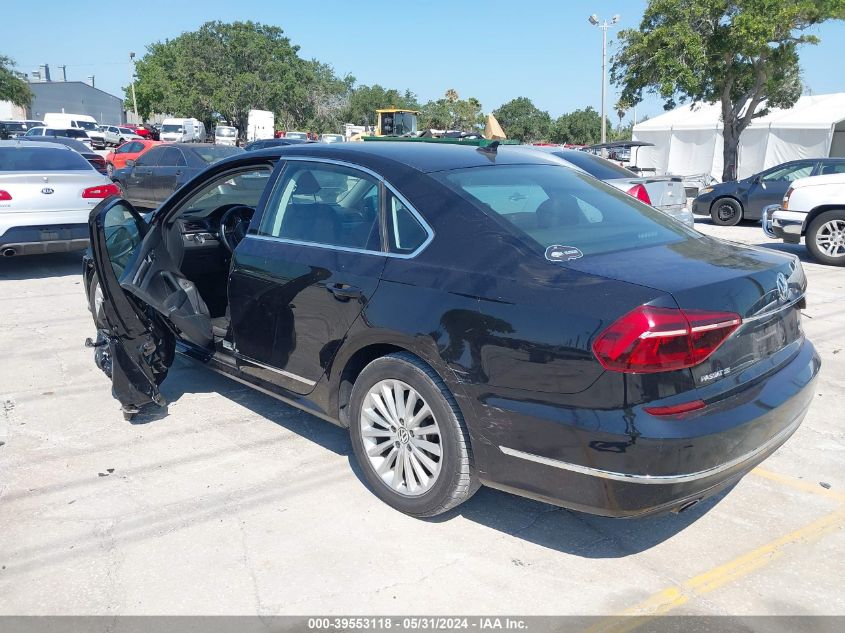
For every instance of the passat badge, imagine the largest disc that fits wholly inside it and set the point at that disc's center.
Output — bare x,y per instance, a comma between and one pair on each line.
46,191
783,286
558,253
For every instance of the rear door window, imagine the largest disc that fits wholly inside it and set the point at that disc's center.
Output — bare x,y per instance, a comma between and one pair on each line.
549,205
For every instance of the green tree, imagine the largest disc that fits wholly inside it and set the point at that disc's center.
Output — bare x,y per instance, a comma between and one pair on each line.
580,127
12,87
231,68
523,121
742,54
363,102
451,113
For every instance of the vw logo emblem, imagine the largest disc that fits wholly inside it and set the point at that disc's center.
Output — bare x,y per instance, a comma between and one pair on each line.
46,191
783,287
404,436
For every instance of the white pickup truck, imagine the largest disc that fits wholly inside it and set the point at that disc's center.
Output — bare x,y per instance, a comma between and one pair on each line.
813,208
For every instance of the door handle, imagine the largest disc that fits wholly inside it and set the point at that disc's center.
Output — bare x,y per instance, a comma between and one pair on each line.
344,292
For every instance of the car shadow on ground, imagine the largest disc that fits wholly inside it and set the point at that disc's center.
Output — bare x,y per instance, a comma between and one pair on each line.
40,266
540,523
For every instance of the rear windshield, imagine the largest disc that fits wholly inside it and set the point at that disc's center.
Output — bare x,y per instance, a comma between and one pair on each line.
38,159
225,131
213,153
596,166
557,206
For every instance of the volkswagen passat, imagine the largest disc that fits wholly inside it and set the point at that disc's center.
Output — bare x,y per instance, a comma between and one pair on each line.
472,316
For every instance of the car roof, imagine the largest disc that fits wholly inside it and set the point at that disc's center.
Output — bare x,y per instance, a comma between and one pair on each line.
30,143
65,141
421,156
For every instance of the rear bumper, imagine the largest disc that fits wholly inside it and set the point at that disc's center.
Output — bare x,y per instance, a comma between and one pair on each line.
661,463
41,239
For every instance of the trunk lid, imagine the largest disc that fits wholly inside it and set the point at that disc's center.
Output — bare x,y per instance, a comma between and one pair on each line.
665,191
765,288
57,191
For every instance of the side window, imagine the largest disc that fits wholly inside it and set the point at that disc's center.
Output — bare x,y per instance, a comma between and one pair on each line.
837,167
123,232
149,159
324,204
406,234
170,157
789,173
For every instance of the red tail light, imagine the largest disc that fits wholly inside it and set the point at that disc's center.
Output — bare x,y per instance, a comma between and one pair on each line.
101,191
640,193
676,409
648,340
5,195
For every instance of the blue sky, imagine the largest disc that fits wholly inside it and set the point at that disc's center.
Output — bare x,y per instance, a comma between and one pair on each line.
494,50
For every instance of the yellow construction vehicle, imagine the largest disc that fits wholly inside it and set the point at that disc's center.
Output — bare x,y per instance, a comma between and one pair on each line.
396,122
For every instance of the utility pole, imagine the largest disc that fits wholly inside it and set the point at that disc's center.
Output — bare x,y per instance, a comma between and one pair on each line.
594,20
132,77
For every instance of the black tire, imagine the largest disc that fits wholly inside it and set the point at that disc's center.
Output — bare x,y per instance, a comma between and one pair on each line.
726,212
820,225
457,480
92,307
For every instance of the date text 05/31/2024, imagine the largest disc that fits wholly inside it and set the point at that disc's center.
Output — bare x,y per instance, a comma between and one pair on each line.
416,623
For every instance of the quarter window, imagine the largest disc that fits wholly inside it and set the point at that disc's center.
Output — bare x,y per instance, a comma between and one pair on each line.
405,232
324,204
790,173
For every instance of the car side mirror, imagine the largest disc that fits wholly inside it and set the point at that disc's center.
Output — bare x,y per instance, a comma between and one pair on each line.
130,163
757,179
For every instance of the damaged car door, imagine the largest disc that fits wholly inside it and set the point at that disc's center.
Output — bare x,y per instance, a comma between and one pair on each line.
146,303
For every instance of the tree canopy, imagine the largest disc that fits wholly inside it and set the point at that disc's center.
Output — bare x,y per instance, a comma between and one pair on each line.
452,113
524,121
12,87
365,100
581,127
740,53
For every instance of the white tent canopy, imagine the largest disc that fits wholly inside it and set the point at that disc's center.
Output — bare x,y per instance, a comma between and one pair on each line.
688,140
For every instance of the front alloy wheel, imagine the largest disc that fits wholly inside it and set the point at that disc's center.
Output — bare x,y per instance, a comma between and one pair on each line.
826,238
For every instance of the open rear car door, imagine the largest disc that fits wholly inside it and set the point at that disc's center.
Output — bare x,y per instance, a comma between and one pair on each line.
146,304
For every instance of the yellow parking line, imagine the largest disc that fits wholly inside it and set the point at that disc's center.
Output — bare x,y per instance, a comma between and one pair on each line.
798,484
673,597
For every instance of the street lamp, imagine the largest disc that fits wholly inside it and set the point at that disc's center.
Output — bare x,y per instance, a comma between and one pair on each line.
594,20
132,77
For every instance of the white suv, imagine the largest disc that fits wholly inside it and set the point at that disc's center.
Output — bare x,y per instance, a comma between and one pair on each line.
813,208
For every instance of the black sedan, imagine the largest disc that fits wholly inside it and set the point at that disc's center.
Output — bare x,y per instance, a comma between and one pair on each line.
96,160
148,181
472,316
729,203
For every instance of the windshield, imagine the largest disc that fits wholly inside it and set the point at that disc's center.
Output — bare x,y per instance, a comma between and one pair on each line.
172,127
556,206
404,123
225,131
596,166
38,159
88,125
213,153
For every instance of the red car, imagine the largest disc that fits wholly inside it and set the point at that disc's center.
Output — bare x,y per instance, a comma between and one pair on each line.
140,130
131,150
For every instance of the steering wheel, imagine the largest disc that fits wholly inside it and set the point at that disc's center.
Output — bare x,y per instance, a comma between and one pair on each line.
233,225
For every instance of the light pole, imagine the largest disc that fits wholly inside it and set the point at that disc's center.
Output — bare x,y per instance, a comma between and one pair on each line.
132,77
594,20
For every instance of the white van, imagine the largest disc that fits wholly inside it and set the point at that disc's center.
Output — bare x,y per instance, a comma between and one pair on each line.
259,125
83,122
182,131
225,135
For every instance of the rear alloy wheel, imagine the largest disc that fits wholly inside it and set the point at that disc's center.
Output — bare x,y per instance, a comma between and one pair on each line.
726,212
826,238
409,437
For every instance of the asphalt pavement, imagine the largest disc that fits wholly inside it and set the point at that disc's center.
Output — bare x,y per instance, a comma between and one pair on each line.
230,502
